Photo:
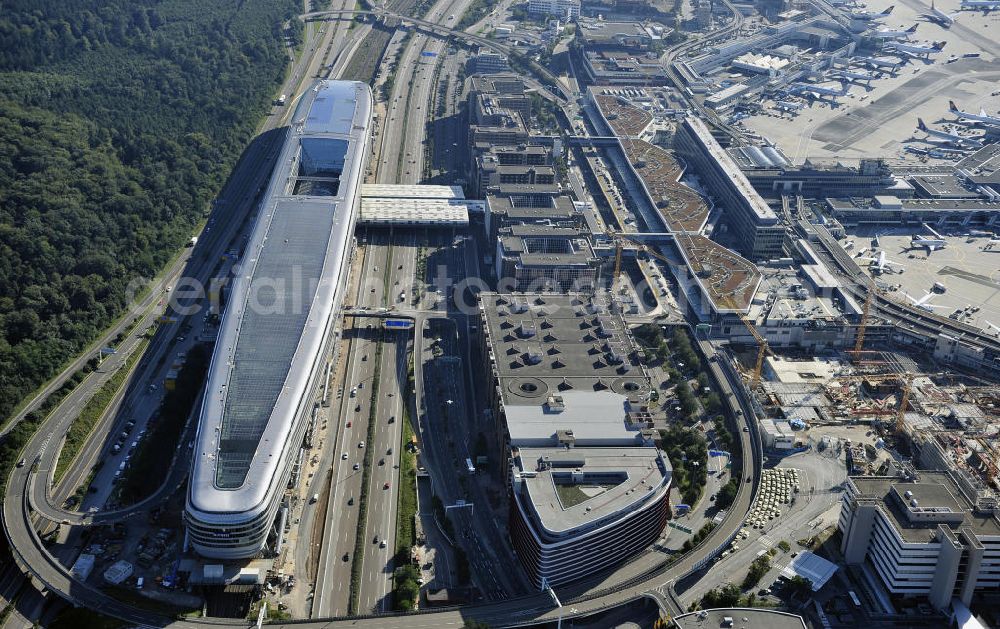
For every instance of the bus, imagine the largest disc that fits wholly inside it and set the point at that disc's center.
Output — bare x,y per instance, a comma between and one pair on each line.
470,466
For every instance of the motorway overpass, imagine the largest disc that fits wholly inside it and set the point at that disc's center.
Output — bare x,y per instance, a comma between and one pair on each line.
550,81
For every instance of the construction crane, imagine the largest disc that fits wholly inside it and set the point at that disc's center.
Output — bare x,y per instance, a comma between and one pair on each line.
619,238
762,349
905,380
859,343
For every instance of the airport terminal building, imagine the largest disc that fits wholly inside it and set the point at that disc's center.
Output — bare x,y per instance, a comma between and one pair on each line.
278,325
588,487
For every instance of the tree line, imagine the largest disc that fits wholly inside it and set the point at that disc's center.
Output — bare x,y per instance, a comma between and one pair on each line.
119,121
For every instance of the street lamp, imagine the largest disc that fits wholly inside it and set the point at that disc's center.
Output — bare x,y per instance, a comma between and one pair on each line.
555,599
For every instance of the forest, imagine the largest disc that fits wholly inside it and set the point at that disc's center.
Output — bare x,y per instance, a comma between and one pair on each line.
119,121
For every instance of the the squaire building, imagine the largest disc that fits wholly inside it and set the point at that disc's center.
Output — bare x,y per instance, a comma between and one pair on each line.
282,312
588,487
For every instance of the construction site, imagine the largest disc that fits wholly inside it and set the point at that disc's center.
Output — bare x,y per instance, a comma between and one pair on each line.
886,410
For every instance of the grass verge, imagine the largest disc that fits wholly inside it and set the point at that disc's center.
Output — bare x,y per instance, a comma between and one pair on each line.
406,589
93,411
360,538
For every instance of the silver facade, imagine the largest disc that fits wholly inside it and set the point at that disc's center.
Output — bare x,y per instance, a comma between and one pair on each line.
282,311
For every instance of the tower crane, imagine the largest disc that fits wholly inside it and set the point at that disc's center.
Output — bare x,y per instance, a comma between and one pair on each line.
762,349
905,381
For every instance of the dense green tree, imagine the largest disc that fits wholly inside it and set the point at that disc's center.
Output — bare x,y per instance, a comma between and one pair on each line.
119,120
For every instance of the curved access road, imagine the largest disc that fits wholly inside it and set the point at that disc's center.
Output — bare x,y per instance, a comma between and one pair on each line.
655,574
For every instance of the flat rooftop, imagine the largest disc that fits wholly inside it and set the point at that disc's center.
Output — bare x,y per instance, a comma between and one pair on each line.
567,346
934,492
418,211
791,295
942,186
732,170
983,166
561,206
410,191
681,207
729,280
576,487
624,119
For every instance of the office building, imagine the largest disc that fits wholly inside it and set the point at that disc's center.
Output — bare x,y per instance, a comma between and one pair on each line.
562,9
890,210
526,209
544,258
753,223
267,361
589,489
772,175
921,536
489,62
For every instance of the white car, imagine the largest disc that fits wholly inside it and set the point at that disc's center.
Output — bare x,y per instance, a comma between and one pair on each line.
343,456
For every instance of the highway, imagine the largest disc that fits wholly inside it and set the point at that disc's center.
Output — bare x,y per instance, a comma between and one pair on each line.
554,89
386,279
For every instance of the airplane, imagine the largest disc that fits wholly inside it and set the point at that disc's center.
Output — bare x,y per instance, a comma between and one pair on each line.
819,90
922,302
857,75
872,15
982,116
931,243
881,263
950,137
896,33
977,5
785,105
940,17
881,62
915,50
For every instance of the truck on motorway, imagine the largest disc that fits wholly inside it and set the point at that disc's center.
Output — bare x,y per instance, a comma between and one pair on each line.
470,466
193,241
280,101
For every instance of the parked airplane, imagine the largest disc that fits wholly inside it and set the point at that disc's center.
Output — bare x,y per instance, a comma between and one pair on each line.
820,90
939,16
896,33
982,116
882,264
916,50
877,63
931,243
870,15
857,75
980,5
950,137
922,302
786,105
